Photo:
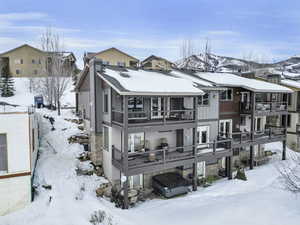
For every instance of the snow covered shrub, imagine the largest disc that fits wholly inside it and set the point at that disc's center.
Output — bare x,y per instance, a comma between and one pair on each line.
100,217
241,175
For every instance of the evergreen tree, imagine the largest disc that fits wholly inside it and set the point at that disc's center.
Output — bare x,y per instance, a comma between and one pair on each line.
7,86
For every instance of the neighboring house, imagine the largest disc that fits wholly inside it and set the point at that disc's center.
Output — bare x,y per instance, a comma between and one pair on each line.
156,63
113,57
18,154
27,61
250,127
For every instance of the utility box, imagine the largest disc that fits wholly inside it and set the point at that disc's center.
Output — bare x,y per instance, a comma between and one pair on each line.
38,101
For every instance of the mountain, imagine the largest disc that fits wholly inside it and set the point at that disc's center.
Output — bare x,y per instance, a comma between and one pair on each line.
214,63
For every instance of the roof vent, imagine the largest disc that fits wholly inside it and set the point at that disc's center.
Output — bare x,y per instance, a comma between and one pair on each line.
124,75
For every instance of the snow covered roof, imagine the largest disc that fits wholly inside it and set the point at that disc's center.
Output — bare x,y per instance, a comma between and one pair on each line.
231,80
290,83
132,82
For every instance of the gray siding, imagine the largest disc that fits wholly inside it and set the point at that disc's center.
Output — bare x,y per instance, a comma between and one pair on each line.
212,110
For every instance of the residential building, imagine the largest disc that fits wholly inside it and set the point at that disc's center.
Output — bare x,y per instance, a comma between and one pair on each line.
247,110
142,122
18,153
156,63
113,57
28,61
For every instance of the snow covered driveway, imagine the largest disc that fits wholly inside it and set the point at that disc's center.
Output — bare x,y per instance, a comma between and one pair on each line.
258,201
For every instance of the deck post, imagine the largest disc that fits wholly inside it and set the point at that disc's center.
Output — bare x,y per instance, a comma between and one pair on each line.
165,111
195,175
252,129
284,141
125,151
229,167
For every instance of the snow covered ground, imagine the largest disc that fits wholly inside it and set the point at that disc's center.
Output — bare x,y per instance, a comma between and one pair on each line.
24,97
260,200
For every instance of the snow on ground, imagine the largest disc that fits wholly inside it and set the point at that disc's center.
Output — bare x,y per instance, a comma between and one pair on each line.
24,97
259,200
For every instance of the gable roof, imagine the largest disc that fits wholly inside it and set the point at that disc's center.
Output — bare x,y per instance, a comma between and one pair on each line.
90,55
141,82
231,80
295,85
155,57
21,46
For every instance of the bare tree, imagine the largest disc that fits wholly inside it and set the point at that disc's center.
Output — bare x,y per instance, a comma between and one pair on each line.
57,69
207,52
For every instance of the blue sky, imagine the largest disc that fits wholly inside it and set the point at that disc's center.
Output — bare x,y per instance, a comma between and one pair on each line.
267,30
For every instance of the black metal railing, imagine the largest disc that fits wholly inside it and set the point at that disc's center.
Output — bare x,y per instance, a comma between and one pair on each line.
159,116
246,107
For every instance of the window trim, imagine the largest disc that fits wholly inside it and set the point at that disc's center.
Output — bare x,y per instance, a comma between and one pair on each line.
6,138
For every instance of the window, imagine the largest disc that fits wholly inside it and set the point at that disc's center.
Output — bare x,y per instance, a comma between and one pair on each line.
121,64
226,95
105,62
289,99
18,71
35,72
243,120
258,124
135,103
105,138
40,61
203,100
283,117
18,61
33,61
3,153
105,106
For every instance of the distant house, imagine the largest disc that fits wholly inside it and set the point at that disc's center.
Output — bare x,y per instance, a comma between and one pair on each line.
28,61
156,63
113,57
18,153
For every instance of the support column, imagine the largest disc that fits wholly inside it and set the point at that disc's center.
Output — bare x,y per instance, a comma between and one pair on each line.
228,164
284,141
251,161
195,175
125,151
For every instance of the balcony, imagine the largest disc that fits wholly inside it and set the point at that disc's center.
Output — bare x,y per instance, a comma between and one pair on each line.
264,108
243,139
166,158
154,117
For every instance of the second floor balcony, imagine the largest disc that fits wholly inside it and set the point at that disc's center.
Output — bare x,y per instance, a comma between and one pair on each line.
263,108
155,110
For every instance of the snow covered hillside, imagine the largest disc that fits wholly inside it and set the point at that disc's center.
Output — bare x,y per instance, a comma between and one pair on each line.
289,68
24,97
72,199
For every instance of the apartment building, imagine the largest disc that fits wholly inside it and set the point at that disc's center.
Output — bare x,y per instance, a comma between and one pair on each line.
28,61
156,63
147,122
113,57
18,154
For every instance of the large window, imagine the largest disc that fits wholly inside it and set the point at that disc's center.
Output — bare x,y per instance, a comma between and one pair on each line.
135,103
283,118
3,153
121,64
226,95
203,100
105,138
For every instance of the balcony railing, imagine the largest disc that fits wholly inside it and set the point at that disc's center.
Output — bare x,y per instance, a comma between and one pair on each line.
168,116
246,107
168,154
245,137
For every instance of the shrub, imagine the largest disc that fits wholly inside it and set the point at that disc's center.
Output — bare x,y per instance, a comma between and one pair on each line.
241,175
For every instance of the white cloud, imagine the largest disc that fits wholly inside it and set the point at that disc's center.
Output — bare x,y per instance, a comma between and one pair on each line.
22,16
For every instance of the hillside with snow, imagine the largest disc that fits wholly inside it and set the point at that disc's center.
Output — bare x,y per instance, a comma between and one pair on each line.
289,68
25,92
